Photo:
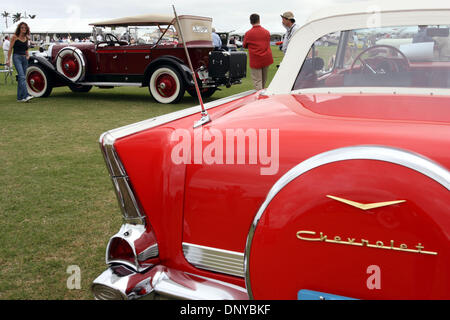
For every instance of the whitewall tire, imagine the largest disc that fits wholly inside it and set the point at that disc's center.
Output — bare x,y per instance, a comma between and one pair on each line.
70,62
38,81
166,85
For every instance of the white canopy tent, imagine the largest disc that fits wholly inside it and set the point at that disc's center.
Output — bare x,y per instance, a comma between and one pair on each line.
273,29
54,26
276,31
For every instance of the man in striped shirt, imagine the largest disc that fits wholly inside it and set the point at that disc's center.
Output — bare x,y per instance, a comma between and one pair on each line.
291,27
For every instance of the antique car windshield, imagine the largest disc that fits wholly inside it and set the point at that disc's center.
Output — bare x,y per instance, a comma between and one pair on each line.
138,35
151,35
404,56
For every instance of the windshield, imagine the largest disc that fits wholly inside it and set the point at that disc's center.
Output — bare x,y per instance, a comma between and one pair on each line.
139,35
404,56
151,35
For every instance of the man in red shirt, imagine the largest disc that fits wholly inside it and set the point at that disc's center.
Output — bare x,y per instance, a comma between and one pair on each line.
257,41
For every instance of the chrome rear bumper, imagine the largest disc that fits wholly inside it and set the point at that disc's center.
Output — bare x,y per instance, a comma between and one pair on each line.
119,282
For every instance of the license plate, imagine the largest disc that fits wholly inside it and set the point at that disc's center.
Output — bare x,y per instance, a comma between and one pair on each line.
315,295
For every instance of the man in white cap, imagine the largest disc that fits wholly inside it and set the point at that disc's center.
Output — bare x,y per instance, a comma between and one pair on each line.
288,21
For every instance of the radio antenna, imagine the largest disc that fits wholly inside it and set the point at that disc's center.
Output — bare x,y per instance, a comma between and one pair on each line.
205,116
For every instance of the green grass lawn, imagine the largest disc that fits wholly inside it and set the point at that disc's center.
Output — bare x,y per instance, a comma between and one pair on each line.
57,204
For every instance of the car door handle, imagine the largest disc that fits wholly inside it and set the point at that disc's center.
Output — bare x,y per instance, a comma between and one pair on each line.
147,57
115,57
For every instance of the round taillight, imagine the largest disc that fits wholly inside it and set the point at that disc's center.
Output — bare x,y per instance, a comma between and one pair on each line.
120,249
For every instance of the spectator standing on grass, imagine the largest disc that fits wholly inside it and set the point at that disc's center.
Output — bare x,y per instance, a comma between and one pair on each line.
5,48
19,44
257,41
288,22
217,42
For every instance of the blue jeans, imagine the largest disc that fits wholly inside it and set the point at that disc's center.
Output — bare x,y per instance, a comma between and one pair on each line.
21,64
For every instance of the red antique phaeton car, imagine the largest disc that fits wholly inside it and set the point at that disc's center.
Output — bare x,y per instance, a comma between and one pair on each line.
332,183
141,51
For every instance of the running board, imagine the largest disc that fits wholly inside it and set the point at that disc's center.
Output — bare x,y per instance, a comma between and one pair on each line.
111,84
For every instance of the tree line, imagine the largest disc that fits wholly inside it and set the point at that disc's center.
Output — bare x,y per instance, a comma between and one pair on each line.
16,17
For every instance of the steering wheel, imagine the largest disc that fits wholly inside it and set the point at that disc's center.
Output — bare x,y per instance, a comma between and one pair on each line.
393,66
111,39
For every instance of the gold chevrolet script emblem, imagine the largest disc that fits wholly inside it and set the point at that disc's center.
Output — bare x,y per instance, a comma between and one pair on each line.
366,206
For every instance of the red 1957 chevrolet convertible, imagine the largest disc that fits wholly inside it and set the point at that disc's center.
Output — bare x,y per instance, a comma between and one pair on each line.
333,183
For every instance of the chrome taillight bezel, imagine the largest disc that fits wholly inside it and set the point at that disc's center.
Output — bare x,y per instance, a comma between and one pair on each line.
129,233
135,224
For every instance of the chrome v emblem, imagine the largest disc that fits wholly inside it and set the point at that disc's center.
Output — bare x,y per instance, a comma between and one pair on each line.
366,206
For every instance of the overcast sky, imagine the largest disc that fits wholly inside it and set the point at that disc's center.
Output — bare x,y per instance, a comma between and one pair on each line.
226,14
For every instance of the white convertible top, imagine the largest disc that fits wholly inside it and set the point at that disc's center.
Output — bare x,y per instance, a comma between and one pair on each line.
363,7
195,28
357,15
140,20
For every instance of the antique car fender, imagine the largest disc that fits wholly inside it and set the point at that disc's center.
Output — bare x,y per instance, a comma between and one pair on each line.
365,222
42,76
184,70
50,68
35,59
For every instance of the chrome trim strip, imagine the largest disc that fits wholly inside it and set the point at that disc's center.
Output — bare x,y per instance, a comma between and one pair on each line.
404,158
111,84
214,259
127,200
208,289
157,121
150,252
375,90
237,288
113,163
